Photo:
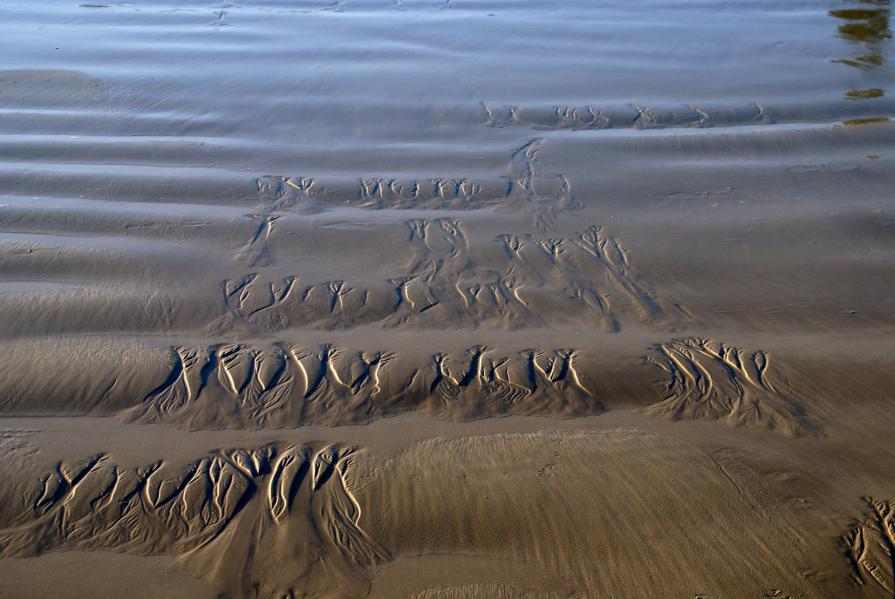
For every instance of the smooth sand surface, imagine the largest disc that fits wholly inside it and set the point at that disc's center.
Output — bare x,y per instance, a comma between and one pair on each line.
441,299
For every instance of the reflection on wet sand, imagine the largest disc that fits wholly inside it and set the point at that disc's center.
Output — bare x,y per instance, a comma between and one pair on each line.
866,26
866,121
865,94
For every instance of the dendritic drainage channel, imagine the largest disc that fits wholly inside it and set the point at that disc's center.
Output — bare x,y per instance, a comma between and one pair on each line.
287,385
540,281
277,521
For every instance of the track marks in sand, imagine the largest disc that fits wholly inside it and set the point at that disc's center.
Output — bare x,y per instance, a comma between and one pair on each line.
612,503
525,187
715,381
582,118
285,385
870,548
267,522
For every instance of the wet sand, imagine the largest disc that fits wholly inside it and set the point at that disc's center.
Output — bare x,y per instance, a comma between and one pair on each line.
447,299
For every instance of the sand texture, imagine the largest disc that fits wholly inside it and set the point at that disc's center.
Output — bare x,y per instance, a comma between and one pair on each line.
442,299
